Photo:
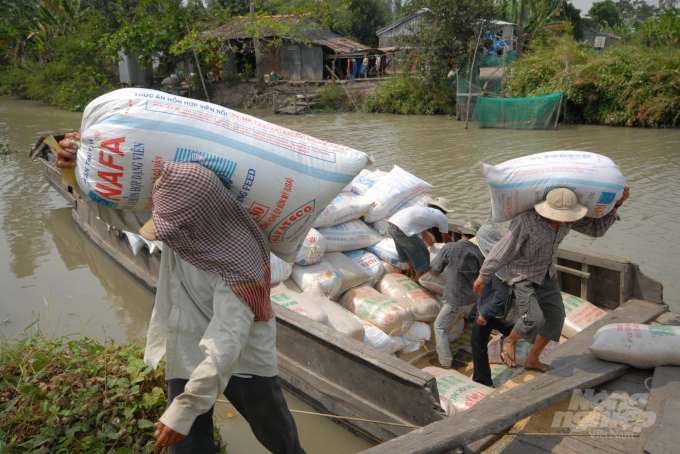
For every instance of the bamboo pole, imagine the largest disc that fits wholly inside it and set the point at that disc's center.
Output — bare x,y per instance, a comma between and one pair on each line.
200,73
474,57
350,96
564,84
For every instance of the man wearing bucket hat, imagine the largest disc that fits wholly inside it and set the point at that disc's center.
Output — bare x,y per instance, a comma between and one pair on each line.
462,262
489,312
528,251
408,228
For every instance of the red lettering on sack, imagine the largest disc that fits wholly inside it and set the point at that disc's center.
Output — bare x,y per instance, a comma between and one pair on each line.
111,177
107,192
113,146
258,211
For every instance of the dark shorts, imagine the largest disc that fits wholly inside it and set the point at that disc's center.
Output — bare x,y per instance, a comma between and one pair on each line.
411,249
541,310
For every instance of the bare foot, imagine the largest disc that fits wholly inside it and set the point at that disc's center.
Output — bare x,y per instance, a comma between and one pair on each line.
534,364
508,352
435,362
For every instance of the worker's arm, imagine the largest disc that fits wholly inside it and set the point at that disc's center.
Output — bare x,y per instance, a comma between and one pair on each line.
438,265
447,238
67,158
425,235
222,346
597,227
502,254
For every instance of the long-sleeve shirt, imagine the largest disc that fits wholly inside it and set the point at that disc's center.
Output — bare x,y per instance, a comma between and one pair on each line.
207,333
494,300
462,261
529,247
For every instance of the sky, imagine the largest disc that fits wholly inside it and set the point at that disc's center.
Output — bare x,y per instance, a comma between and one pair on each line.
584,5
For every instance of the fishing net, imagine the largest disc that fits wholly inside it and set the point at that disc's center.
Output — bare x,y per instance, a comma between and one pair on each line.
537,112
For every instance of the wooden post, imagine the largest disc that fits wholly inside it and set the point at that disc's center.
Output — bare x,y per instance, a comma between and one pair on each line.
200,73
333,70
520,33
458,109
305,92
564,84
474,57
276,105
350,96
295,105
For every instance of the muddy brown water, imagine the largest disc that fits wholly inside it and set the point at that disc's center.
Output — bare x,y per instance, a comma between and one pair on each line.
44,259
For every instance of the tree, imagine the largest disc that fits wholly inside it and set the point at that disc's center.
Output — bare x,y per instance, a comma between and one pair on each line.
362,19
448,31
635,10
605,12
574,16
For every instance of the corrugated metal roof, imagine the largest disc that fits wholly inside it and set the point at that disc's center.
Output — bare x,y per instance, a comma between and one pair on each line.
238,29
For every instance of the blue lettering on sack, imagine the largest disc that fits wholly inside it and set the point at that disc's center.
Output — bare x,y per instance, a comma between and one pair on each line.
606,198
224,168
102,201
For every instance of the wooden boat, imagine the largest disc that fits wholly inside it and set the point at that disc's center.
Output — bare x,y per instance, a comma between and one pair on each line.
387,397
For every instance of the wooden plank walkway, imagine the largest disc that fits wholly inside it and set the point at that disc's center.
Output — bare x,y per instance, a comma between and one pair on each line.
664,400
574,369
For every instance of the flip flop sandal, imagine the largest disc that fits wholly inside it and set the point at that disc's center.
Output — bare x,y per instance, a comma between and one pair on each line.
547,369
507,355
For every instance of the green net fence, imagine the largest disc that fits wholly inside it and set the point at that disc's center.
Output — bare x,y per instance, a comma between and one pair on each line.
537,112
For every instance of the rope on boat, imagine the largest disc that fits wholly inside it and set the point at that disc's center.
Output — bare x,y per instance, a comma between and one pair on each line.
343,417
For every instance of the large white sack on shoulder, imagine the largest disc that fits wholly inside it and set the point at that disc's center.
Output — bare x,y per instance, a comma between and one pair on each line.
522,349
298,303
424,306
312,248
338,317
374,337
280,270
580,314
392,316
349,236
382,225
351,274
366,182
387,252
641,346
390,192
282,178
345,207
368,262
322,272
457,392
519,184
434,283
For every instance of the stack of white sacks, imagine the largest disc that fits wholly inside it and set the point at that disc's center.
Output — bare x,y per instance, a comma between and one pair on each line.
348,276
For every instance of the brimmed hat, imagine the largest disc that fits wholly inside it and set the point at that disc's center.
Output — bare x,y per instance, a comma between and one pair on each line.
487,237
561,205
470,228
443,203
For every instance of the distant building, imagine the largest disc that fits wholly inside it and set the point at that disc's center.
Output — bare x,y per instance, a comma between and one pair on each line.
598,39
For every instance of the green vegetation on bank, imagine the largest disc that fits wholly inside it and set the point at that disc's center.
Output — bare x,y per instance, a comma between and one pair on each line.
60,395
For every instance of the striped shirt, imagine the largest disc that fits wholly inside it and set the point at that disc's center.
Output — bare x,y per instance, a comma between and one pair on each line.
529,247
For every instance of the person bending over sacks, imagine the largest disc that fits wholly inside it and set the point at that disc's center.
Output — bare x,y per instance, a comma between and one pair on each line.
528,252
407,225
462,261
490,311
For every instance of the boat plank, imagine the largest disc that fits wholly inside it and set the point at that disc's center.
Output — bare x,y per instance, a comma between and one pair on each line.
665,388
574,369
586,444
664,438
669,318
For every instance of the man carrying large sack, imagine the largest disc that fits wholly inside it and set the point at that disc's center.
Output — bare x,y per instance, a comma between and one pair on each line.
528,251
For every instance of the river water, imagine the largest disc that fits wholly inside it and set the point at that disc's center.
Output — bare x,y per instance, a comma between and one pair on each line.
45,264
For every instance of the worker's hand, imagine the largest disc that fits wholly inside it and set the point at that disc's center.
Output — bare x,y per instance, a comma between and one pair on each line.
624,197
167,436
478,287
480,320
67,158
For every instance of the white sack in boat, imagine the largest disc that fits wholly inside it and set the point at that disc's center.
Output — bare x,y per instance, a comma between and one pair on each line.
366,182
280,269
351,274
312,248
345,207
375,337
338,318
387,251
136,242
322,272
424,306
389,268
368,262
291,286
420,200
580,314
519,184
349,236
641,346
297,303
392,316
457,392
361,174
434,283
390,192
284,179
414,337
521,350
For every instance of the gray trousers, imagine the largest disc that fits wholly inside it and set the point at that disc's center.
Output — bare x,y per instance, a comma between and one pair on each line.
445,320
541,309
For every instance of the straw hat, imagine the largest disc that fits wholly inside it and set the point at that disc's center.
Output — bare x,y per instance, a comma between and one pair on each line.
561,205
487,237
443,203
470,228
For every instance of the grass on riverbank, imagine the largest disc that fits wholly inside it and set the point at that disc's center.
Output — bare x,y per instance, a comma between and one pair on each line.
407,95
61,395
623,85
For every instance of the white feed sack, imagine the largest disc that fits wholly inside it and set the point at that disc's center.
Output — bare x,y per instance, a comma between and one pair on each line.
392,316
415,337
351,274
369,262
361,174
390,192
366,182
322,272
374,337
338,317
291,286
424,306
519,184
389,268
345,207
422,200
457,392
281,270
580,314
434,283
297,303
522,349
283,178
349,236
641,346
312,248
387,252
